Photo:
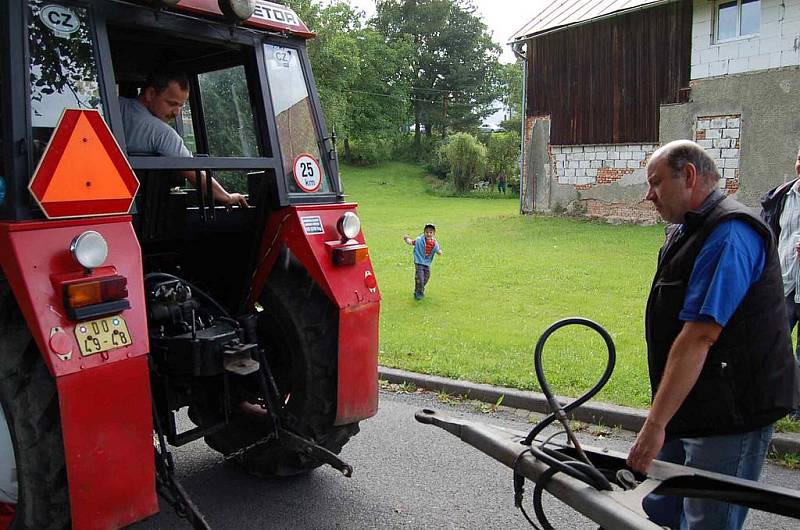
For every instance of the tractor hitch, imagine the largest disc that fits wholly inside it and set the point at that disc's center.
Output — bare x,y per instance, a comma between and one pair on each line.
621,507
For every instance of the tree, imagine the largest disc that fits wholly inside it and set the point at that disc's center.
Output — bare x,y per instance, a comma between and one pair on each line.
510,87
454,62
361,77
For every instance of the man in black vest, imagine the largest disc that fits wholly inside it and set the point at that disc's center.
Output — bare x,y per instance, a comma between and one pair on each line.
720,360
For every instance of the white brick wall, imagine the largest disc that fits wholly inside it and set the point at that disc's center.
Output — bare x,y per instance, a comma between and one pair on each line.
719,136
580,164
777,44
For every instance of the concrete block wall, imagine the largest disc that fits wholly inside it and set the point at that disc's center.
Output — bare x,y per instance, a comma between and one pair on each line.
776,45
721,137
587,165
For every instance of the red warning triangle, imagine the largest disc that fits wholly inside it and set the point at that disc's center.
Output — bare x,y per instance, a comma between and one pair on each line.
83,171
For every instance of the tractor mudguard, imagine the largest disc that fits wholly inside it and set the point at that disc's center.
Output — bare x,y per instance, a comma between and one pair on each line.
310,233
104,398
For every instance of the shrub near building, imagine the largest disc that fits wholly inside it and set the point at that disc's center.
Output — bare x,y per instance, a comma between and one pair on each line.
502,157
466,157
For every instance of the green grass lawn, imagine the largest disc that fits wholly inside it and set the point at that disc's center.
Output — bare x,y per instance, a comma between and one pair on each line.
502,280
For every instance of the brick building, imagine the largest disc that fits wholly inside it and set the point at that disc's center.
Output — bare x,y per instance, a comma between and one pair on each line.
608,82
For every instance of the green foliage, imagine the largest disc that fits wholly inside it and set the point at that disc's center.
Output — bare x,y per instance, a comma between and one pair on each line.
502,280
787,424
359,74
512,124
370,151
510,81
466,157
502,155
787,460
438,163
453,61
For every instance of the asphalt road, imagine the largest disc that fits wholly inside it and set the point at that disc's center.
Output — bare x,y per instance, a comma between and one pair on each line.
407,475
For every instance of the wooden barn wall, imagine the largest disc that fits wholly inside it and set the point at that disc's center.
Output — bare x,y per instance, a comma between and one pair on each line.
603,82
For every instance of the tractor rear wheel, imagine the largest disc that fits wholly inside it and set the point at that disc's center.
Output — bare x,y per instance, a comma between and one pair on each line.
30,402
299,327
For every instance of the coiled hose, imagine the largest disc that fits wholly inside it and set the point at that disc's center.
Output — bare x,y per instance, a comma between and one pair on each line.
582,469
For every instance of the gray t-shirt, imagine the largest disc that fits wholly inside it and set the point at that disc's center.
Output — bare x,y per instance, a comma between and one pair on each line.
147,135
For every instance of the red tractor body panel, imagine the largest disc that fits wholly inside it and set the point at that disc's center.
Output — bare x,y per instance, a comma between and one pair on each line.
37,262
106,418
105,403
310,234
267,15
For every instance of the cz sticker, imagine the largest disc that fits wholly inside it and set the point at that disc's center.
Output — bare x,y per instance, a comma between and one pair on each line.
307,172
60,20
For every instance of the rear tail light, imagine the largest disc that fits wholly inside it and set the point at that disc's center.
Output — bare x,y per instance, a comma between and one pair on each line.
96,297
350,255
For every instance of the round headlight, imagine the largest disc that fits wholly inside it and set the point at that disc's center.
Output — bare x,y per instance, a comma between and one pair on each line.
89,249
349,225
238,9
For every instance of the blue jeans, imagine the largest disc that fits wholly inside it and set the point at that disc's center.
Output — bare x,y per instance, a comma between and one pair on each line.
422,273
738,455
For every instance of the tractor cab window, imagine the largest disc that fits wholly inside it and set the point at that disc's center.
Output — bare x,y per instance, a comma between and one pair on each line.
228,113
301,149
219,118
229,121
63,69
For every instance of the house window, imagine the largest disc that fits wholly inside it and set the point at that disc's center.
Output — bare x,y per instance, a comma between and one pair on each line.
738,18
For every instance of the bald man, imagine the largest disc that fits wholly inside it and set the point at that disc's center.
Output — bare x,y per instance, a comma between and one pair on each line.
720,359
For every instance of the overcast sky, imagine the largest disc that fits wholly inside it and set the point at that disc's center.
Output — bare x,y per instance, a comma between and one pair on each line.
503,17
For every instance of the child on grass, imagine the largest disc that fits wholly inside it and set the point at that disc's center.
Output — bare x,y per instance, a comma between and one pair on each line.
425,246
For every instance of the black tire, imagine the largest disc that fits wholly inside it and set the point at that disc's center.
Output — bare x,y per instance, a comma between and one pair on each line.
30,402
299,326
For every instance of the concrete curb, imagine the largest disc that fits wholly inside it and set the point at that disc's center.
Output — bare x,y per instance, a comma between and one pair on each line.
628,418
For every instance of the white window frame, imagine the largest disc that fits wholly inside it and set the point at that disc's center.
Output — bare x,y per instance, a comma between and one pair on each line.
738,36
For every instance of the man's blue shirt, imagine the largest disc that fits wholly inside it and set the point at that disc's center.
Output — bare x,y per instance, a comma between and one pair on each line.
419,252
731,260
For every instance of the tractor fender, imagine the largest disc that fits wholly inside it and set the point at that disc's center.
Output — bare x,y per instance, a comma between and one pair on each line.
310,234
104,398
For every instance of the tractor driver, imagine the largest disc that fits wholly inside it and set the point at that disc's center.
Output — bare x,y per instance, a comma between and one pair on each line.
146,118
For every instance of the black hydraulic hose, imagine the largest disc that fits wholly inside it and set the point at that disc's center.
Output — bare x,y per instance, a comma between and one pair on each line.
583,469
559,412
202,293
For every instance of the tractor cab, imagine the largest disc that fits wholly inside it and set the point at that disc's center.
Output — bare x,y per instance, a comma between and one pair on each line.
228,261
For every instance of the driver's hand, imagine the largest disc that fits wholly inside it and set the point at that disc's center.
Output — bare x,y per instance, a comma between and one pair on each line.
236,199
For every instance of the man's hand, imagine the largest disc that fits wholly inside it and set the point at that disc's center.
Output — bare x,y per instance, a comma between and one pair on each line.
408,239
648,443
235,199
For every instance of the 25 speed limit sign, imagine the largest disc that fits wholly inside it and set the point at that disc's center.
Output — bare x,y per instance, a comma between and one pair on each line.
307,172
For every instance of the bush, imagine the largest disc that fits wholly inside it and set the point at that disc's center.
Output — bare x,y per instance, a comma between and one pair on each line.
467,159
370,151
429,149
502,155
438,164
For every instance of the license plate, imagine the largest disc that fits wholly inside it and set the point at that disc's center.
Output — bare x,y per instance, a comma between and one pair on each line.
101,335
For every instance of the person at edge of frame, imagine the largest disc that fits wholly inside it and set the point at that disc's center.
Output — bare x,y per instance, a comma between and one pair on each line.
780,209
719,354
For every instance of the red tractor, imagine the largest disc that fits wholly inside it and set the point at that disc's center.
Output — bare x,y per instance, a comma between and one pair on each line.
137,313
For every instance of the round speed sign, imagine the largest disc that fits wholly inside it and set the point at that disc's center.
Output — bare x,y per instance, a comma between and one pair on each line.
307,172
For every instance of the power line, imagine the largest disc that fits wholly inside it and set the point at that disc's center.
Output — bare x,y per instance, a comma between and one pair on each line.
450,103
